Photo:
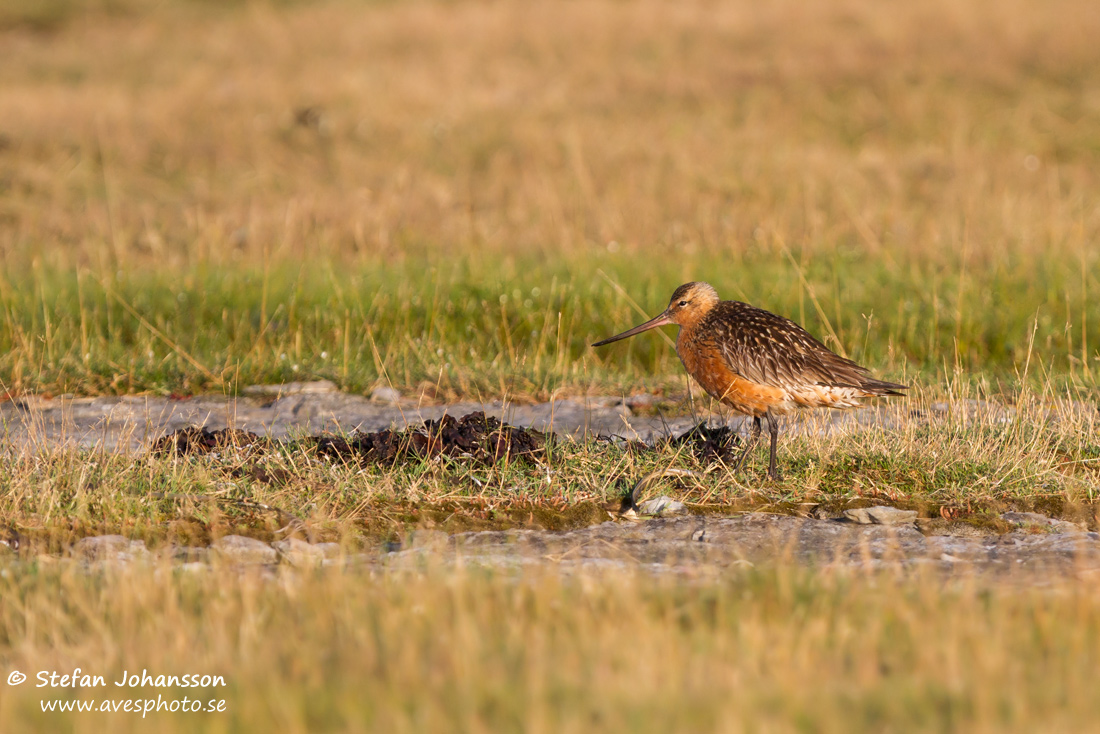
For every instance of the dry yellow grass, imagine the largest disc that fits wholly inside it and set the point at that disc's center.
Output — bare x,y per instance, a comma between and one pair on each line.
467,649
185,134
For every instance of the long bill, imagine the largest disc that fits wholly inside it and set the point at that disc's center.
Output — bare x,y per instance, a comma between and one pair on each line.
653,323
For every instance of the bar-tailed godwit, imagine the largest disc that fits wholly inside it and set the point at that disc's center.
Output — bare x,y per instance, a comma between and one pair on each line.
758,363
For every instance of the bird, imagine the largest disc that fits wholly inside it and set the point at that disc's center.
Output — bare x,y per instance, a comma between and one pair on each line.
758,363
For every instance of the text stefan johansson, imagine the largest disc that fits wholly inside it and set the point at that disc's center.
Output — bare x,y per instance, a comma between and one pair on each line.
53,679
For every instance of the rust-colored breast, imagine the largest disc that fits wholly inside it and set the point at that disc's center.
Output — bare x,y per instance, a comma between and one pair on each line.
706,363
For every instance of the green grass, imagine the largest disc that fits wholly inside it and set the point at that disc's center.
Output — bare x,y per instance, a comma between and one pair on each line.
473,327
457,198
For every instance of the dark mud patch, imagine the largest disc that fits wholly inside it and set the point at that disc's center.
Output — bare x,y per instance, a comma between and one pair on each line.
476,438
194,440
708,443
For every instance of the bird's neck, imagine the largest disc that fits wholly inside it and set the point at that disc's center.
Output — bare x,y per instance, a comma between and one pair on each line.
689,320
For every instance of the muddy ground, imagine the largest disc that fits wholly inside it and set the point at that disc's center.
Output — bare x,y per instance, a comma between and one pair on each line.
132,423
377,429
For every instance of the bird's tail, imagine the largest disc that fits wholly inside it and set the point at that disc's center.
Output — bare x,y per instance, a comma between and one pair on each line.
881,387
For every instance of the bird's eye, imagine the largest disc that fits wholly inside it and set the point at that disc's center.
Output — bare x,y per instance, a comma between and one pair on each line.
682,303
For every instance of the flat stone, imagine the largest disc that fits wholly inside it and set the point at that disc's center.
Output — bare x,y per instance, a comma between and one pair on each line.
243,550
385,395
329,550
109,548
295,552
293,388
96,547
685,544
1034,519
427,538
661,507
645,400
880,515
353,560
190,554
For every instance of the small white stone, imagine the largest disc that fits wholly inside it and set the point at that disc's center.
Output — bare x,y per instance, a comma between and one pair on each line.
239,549
299,553
881,515
1034,519
661,507
101,547
328,550
385,395
312,387
190,554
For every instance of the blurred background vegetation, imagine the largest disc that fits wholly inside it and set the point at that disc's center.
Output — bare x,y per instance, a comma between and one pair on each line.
456,198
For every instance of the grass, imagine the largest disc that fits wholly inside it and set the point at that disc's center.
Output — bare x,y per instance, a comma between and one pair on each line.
443,332
940,458
470,649
455,199
469,183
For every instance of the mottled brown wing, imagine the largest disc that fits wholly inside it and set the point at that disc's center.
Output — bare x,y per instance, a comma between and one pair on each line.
771,350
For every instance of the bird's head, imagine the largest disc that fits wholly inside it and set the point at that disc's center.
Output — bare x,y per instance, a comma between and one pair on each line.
689,303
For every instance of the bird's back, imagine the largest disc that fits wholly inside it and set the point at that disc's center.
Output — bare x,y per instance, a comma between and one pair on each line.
775,353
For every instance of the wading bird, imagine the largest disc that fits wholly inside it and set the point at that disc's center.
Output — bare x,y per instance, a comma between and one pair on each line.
758,363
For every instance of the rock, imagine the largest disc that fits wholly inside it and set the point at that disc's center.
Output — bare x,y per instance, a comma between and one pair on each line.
199,440
880,515
385,395
858,515
329,550
1035,520
603,401
645,400
661,507
109,548
10,539
298,553
427,538
245,551
190,554
292,388
97,547
886,515
352,561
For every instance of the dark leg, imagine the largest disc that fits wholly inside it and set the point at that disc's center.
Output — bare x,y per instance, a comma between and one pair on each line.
773,429
750,445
